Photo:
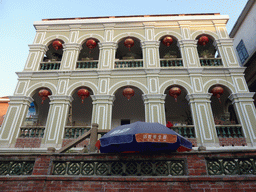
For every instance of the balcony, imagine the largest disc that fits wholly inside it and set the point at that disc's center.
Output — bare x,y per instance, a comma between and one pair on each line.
92,64
177,62
185,131
129,63
50,65
32,132
211,62
229,131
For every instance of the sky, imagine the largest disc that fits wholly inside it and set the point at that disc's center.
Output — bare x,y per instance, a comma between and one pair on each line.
17,17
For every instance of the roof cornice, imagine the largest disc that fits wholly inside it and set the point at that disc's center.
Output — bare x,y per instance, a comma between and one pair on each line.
130,19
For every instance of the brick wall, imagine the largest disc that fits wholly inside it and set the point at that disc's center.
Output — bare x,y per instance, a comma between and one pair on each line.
196,180
232,142
193,141
81,144
28,142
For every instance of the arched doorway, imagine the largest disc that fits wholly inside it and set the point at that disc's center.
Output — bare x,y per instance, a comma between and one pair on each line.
127,111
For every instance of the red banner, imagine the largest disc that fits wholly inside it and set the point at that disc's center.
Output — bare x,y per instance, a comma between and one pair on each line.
156,137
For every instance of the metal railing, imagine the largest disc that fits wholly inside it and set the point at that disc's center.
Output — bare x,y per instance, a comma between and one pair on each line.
32,131
50,65
187,131
177,62
129,63
229,131
211,62
92,64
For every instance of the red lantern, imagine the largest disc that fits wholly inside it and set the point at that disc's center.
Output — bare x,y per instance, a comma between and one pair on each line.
129,43
203,40
128,93
57,45
44,93
167,41
91,44
175,92
83,93
217,91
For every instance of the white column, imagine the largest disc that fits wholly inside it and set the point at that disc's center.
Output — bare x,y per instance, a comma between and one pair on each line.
102,110
151,58
203,119
154,108
70,55
56,121
189,53
245,110
35,56
16,113
107,55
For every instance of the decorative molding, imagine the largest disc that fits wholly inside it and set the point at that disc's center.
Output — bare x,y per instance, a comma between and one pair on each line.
241,97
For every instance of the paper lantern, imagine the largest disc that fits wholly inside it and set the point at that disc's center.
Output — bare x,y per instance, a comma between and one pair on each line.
175,92
44,93
167,41
129,42
57,45
203,40
217,91
83,93
128,93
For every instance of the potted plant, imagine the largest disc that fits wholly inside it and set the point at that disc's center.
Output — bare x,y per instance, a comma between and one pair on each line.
170,54
205,54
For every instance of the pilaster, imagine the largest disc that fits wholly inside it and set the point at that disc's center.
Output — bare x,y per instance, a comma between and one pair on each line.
154,108
188,49
102,110
151,56
245,110
70,55
107,55
225,46
203,119
16,113
36,53
56,121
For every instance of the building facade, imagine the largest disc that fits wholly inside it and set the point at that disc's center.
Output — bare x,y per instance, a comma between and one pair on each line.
243,34
147,65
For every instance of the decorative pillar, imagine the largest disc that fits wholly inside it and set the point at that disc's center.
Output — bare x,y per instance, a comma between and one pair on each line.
151,56
15,116
107,55
154,108
70,55
56,121
228,56
203,119
102,110
188,49
35,56
245,110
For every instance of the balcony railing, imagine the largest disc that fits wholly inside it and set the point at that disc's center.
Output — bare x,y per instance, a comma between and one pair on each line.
29,131
73,132
229,131
129,63
211,62
50,65
177,62
187,131
92,64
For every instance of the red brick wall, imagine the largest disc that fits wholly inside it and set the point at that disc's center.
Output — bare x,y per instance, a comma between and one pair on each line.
28,142
232,142
82,144
197,179
193,141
